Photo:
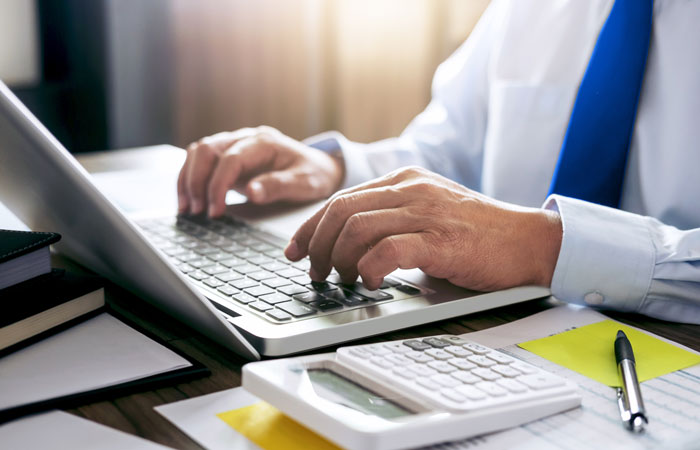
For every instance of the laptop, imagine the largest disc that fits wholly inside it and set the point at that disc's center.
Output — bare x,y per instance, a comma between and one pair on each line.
225,278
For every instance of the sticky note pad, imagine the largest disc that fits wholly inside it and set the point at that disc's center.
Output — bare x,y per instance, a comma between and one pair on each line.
270,429
589,350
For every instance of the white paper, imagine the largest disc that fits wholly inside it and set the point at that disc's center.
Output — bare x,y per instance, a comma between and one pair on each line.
196,417
99,352
58,430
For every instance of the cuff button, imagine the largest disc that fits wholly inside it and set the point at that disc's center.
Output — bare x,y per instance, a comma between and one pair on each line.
594,298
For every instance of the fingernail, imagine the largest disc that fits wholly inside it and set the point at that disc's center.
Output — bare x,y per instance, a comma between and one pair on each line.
292,250
314,275
212,210
182,204
257,191
197,206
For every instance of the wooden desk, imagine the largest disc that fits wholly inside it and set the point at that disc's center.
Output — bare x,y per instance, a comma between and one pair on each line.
134,414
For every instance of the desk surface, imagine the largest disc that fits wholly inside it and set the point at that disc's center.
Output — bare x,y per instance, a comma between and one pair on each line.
134,413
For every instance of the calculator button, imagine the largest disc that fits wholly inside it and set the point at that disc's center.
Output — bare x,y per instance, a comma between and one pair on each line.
512,385
500,358
541,381
492,389
453,395
360,352
428,384
445,380
436,342
438,354
524,368
454,340
457,350
378,350
466,377
397,347
471,392
421,370
279,315
481,360
476,348
417,345
442,366
462,363
506,371
399,360
419,357
402,372
382,362
486,374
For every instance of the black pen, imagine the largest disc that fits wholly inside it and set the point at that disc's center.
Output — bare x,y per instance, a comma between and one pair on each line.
629,397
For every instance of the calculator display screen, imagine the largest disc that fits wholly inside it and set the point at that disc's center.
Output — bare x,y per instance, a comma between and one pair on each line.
355,396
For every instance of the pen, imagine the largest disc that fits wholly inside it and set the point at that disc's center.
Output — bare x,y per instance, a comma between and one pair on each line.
629,397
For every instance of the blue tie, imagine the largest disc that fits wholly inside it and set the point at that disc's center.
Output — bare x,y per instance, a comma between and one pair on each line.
593,156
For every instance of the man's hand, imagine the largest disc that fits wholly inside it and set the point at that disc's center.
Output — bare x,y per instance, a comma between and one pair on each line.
262,163
414,218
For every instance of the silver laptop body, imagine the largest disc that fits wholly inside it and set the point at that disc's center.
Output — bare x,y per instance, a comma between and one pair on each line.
46,188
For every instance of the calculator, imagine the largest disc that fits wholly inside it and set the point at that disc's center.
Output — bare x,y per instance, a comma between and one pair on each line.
409,393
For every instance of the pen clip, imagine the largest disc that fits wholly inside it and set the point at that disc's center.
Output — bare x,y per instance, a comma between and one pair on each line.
625,413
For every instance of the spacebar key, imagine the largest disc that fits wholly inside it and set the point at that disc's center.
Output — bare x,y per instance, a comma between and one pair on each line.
297,309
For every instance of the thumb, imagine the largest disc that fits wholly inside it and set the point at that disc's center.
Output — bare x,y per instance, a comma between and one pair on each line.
274,186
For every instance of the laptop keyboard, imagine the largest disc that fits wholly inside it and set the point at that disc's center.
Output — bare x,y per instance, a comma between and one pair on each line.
236,264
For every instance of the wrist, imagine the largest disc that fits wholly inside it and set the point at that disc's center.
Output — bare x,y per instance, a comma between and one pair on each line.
544,235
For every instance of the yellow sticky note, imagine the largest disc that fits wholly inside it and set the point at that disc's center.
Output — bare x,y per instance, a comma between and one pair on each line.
590,351
269,429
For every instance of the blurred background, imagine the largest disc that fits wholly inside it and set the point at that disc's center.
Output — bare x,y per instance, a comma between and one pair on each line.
105,74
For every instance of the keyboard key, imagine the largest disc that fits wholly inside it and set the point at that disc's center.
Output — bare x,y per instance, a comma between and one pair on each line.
321,286
276,282
257,291
302,265
325,305
457,350
417,345
275,298
185,268
274,266
419,357
406,289
466,377
506,371
198,275
260,306
293,289
215,269
243,283
213,282
492,389
297,309
512,385
278,315
229,276
302,279
345,298
262,275
471,392
486,374
228,290
445,380
244,298
232,262
308,297
290,273
389,283
259,260
359,289
201,262
246,268
462,364
442,366
541,381
438,354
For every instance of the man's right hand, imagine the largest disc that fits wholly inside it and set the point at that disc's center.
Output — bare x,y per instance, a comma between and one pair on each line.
261,163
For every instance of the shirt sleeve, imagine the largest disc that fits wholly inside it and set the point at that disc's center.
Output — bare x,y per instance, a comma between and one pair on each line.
612,259
448,136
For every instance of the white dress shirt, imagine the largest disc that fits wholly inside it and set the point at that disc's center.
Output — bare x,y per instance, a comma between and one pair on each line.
501,104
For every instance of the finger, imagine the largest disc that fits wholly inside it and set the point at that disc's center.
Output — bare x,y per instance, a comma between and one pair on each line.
202,164
363,231
404,251
299,244
292,185
331,224
183,204
248,155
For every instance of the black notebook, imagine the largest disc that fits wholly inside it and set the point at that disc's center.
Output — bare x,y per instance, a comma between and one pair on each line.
45,304
24,255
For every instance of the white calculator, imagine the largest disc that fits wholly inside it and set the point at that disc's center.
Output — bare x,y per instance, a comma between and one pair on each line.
409,393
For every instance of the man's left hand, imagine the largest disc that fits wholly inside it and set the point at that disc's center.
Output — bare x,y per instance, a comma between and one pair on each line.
413,218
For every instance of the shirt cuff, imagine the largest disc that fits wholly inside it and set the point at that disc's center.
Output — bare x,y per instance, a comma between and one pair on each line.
357,167
607,256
